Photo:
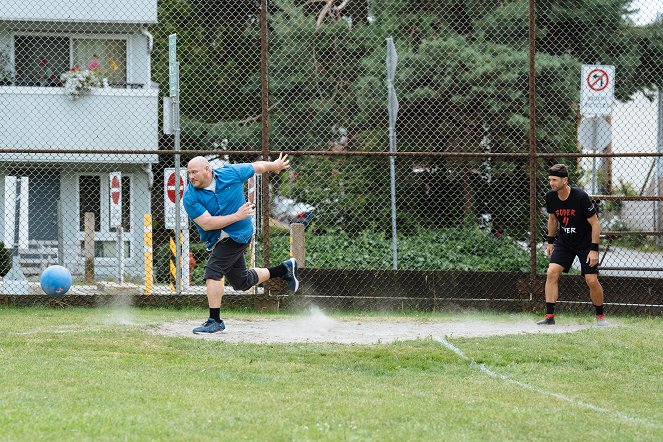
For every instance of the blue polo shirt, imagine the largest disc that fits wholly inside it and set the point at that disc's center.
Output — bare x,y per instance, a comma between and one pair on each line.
226,199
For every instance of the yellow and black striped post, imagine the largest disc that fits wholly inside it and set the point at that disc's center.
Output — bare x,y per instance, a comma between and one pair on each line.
173,259
173,268
147,240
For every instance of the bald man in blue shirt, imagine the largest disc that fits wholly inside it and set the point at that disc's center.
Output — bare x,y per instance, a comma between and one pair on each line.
214,200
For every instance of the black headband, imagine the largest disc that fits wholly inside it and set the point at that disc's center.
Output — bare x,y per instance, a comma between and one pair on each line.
559,173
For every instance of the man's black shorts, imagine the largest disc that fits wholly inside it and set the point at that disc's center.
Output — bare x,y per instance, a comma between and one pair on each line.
564,256
227,259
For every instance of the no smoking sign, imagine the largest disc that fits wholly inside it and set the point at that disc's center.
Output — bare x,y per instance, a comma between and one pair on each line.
597,90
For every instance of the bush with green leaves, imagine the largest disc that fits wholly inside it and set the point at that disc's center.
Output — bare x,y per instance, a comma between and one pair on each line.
465,248
162,262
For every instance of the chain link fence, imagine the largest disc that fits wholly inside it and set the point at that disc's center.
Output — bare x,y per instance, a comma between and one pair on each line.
431,198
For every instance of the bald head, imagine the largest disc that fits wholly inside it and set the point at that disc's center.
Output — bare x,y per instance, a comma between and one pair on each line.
200,172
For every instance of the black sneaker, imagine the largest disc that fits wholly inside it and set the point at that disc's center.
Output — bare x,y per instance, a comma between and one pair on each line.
547,320
291,276
210,326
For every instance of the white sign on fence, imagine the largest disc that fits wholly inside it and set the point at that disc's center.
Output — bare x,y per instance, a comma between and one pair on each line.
597,90
173,72
594,134
115,191
169,197
16,201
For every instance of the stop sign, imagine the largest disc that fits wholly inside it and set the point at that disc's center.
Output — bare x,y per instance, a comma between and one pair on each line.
115,189
170,187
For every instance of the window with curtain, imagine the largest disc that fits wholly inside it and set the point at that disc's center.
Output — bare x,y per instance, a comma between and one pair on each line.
39,60
107,56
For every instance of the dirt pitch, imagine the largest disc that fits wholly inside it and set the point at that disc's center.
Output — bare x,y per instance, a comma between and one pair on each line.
318,328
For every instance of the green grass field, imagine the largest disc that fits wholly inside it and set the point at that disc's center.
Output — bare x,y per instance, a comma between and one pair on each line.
91,374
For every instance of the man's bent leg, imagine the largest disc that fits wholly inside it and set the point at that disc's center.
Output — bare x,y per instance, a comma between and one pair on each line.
263,274
214,292
552,292
596,295
286,270
552,282
595,289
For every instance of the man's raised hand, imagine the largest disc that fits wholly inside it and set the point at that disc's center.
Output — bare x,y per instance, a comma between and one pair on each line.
282,162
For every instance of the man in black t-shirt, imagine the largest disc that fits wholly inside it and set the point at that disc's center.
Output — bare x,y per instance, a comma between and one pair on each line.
573,230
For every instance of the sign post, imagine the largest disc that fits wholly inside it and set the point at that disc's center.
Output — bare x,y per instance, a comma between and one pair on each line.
392,60
115,214
254,197
172,200
658,208
174,90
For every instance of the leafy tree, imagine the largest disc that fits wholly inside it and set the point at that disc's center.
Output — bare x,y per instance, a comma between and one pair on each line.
462,83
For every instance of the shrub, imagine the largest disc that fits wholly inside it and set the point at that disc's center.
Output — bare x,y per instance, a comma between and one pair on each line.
466,248
162,265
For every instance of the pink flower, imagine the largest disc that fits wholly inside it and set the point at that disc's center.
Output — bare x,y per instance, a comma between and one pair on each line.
93,65
42,62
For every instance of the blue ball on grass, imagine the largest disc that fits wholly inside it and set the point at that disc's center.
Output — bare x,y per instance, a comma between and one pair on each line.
55,280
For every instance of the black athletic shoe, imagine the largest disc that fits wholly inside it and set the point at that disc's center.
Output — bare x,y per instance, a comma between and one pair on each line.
291,276
547,320
210,326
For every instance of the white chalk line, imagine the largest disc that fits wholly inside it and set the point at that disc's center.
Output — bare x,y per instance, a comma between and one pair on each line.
487,371
37,332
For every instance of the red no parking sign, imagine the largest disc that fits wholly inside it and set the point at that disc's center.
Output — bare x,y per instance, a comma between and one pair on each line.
115,215
169,189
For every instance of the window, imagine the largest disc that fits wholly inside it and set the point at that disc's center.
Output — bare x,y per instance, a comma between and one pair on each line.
110,54
40,60
89,199
108,249
126,205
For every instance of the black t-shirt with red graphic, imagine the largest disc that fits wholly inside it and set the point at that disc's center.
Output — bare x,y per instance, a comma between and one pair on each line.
573,228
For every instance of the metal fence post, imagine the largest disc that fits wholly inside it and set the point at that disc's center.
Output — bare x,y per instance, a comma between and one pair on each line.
60,234
659,165
264,113
532,143
89,247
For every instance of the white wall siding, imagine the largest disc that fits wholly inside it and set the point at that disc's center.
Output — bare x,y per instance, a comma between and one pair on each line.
103,11
107,119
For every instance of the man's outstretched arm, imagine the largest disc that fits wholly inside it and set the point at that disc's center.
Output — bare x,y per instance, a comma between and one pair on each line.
282,162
